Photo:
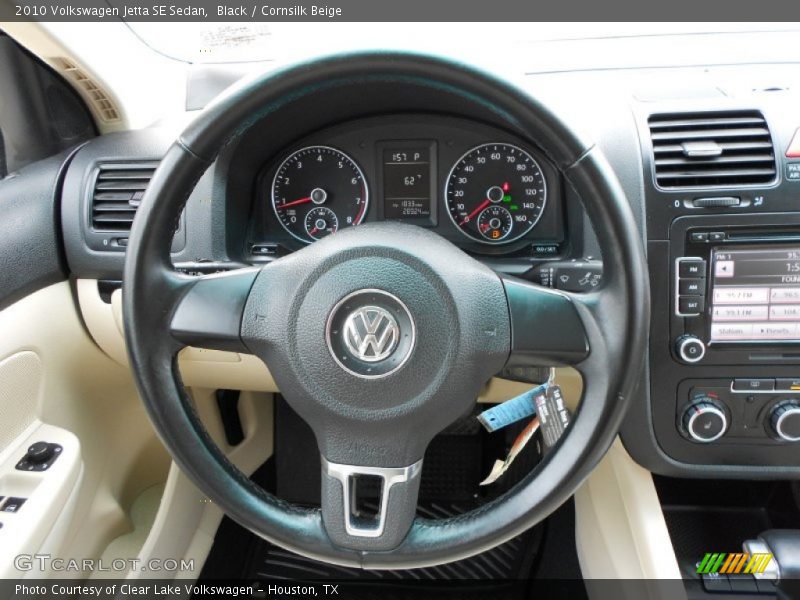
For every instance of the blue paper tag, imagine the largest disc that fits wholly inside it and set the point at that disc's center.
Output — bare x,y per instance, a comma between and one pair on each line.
511,411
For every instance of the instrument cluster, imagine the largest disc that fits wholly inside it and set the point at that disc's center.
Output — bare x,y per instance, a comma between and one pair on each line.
491,197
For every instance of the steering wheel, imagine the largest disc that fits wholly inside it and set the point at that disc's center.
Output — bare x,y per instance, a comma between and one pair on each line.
383,334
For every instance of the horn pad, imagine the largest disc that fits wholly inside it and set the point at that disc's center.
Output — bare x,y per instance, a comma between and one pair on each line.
378,329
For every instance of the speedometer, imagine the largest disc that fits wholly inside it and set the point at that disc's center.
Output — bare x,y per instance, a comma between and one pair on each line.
496,193
318,190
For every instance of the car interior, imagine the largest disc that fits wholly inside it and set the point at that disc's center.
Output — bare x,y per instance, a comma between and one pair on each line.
287,303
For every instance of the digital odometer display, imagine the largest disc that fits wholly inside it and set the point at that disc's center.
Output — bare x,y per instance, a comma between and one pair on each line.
407,183
755,295
496,193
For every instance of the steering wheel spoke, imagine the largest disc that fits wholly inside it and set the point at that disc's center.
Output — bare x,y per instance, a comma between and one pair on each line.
357,518
548,327
208,313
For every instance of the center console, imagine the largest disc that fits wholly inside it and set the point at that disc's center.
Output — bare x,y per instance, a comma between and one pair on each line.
723,215
732,310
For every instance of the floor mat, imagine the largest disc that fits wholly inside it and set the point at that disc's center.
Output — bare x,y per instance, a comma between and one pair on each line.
511,560
454,464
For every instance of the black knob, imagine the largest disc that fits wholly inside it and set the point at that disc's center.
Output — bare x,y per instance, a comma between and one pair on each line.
39,452
705,421
691,349
785,420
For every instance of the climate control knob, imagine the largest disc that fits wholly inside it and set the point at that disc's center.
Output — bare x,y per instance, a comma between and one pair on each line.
785,420
705,421
691,349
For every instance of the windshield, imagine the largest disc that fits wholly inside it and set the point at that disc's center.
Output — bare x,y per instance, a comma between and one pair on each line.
257,42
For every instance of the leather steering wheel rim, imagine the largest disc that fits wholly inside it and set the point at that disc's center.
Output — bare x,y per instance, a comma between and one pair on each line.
615,318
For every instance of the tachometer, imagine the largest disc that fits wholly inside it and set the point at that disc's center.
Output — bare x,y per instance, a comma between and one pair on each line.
496,193
317,190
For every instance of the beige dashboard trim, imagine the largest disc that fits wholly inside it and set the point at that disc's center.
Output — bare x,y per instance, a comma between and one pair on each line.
187,521
620,529
202,368
199,367
98,98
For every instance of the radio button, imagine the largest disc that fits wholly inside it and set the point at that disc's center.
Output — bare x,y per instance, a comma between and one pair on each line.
691,287
731,331
716,236
753,385
698,237
723,268
690,349
689,305
693,267
785,295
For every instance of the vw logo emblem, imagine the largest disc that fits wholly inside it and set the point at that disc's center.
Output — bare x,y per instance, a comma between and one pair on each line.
371,333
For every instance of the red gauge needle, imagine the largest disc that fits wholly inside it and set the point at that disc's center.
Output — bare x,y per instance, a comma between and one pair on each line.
478,209
313,231
294,202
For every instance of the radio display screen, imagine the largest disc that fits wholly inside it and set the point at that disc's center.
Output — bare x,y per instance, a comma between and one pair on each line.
755,295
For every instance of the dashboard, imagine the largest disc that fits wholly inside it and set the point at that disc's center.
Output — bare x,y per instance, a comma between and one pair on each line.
711,171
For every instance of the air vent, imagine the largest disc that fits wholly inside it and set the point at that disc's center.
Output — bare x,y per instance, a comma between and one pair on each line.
712,149
118,191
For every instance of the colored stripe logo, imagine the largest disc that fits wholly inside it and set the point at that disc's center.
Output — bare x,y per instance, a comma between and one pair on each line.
738,562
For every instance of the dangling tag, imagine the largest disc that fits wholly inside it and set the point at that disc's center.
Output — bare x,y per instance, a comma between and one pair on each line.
501,466
554,416
511,411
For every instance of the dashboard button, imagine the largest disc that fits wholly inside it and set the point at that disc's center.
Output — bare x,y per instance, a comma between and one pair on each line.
785,420
716,202
264,249
691,287
753,385
693,267
688,305
699,236
705,421
716,236
787,384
